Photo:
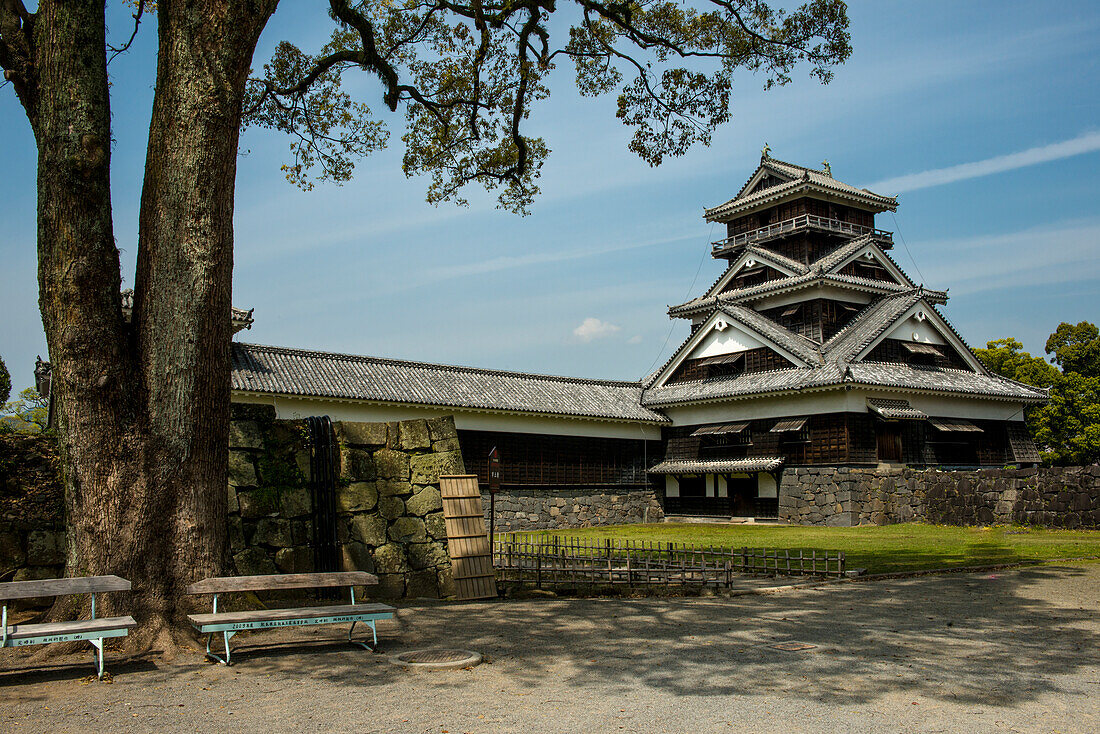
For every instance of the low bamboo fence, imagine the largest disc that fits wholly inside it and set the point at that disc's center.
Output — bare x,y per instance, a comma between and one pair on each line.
573,560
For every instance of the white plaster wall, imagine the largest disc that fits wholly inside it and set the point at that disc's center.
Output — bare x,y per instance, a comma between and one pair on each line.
672,487
289,407
723,488
765,485
731,340
710,485
925,331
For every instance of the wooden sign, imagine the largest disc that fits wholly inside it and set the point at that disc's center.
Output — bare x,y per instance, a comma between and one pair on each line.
494,471
467,543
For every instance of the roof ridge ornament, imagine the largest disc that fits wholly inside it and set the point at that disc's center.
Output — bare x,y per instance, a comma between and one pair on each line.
765,152
827,168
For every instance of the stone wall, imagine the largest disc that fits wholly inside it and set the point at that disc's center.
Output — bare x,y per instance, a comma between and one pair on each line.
538,509
1065,497
390,514
32,512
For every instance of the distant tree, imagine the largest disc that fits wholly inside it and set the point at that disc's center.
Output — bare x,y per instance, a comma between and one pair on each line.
1076,348
1006,357
28,414
1067,429
5,382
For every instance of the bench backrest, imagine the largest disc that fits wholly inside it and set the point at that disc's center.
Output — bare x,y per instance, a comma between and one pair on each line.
275,582
62,587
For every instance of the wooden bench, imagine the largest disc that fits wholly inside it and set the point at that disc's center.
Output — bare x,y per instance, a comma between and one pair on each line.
94,630
230,623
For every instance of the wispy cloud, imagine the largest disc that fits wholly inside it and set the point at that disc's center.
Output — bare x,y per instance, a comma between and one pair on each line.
1053,254
592,328
1085,143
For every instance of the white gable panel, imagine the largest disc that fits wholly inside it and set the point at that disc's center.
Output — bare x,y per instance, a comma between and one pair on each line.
731,339
914,330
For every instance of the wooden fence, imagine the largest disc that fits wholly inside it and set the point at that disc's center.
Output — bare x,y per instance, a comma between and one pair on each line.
570,560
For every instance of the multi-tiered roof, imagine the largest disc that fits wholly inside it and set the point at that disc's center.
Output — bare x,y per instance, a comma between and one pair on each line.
811,299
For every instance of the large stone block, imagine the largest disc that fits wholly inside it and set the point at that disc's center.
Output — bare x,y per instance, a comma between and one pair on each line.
294,560
413,434
233,505
442,428
392,464
426,469
436,526
45,547
422,584
253,562
445,581
427,555
391,508
274,532
361,434
390,558
236,534
294,502
242,473
408,530
357,465
245,435
258,502
390,586
356,557
356,496
424,500
368,529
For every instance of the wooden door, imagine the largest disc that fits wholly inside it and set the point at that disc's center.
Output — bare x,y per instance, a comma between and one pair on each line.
889,441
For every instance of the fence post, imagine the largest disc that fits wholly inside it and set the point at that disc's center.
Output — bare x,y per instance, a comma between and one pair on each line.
840,565
538,569
744,559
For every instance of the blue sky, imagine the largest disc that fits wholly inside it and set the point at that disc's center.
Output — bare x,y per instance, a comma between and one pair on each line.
983,117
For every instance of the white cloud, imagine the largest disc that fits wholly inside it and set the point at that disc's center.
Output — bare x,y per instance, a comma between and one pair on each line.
592,328
636,339
1085,143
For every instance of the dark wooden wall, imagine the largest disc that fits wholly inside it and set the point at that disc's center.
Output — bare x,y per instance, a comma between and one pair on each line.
761,359
541,460
817,319
893,351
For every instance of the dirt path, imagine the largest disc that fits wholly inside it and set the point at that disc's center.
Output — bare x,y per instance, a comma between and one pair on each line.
1014,650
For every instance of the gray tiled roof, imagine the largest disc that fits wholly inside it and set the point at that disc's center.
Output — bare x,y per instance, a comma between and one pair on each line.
286,371
801,177
802,347
710,466
869,324
874,374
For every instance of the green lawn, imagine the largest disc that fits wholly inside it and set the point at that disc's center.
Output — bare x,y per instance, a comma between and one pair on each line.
885,549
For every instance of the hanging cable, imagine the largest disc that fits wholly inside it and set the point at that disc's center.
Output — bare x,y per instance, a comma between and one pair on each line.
913,260
690,290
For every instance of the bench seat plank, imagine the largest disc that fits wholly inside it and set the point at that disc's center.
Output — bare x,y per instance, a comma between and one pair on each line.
61,587
262,617
74,630
278,581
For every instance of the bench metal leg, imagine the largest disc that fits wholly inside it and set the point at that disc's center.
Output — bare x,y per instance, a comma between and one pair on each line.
224,661
374,633
98,645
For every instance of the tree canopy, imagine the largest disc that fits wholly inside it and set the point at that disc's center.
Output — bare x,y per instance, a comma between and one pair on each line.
1067,429
5,382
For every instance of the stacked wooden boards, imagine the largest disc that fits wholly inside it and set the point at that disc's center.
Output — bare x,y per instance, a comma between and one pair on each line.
467,542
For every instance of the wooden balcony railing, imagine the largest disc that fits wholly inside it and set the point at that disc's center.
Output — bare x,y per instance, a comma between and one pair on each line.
805,221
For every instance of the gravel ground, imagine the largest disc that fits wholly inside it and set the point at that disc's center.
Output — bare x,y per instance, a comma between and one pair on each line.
1011,650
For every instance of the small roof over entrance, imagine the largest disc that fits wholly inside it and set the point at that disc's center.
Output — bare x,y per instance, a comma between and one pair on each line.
718,466
954,425
895,409
721,429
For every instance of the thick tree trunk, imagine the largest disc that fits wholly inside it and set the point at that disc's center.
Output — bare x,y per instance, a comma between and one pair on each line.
66,94
184,280
143,408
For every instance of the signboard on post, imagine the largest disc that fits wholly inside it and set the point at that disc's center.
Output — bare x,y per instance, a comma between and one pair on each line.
494,471
494,487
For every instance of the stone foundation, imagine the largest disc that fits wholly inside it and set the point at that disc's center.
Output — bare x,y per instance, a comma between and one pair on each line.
1064,497
540,509
389,510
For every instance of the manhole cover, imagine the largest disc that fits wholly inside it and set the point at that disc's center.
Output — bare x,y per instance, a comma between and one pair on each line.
437,659
792,646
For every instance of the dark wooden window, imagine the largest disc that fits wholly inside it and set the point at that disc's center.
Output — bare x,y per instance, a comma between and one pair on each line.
896,351
888,437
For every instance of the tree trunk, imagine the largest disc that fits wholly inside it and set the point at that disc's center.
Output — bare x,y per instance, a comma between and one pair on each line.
142,408
183,285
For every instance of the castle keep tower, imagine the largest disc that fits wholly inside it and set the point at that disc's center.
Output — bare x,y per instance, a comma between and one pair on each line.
815,347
